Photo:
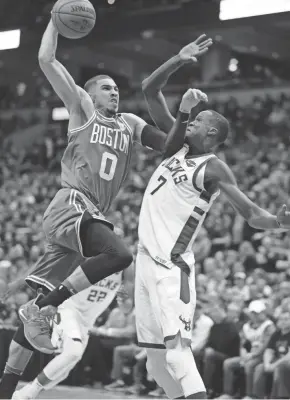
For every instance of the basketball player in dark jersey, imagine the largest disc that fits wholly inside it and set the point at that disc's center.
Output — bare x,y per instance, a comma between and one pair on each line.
82,248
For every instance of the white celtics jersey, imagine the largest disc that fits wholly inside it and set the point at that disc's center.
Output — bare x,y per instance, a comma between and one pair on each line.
174,207
92,302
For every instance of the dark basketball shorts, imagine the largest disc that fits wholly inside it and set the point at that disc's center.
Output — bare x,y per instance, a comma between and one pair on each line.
61,225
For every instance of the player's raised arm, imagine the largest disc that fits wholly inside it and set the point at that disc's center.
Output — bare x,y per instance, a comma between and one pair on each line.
219,174
60,79
153,85
176,136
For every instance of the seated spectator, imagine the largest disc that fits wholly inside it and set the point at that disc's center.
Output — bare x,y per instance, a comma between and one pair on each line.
240,285
119,329
128,356
223,342
200,332
255,335
235,314
276,363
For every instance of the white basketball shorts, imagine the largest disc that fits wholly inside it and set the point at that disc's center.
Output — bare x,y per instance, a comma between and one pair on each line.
165,302
68,324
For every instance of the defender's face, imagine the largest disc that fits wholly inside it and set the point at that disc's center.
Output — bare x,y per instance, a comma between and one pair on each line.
197,130
107,95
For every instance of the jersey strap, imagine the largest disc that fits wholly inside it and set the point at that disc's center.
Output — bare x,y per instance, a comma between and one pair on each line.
204,194
85,125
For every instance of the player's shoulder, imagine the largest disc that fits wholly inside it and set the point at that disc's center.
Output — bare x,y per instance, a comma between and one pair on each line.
86,102
132,119
218,170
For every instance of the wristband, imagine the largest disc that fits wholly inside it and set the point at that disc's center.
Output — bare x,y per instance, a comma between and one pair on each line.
184,115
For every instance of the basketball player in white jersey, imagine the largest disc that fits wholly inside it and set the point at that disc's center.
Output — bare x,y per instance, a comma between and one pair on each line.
70,334
176,201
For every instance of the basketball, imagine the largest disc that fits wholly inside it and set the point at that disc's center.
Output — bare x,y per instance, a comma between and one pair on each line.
73,19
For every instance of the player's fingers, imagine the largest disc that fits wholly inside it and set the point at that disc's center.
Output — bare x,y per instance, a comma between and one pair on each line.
203,51
194,59
201,96
206,43
200,38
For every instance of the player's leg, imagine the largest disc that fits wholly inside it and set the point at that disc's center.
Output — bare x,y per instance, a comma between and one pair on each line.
181,365
20,352
55,371
68,332
49,271
148,326
176,299
105,255
157,368
80,233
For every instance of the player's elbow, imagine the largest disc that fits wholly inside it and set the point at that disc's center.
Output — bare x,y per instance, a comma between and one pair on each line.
147,87
44,59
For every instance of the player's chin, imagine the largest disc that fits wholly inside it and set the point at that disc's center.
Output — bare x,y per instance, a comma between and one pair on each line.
113,107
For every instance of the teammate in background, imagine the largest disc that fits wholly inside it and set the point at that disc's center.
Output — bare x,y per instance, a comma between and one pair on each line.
175,204
94,166
71,326
70,334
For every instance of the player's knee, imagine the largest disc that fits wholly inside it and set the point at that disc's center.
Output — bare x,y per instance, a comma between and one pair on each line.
125,257
176,362
74,352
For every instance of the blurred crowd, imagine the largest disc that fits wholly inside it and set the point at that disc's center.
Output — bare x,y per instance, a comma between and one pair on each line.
241,333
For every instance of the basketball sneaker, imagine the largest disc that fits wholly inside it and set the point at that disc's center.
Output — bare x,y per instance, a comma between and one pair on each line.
28,392
37,325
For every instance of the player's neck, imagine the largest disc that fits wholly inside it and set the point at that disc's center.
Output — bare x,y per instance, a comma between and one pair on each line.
194,151
105,112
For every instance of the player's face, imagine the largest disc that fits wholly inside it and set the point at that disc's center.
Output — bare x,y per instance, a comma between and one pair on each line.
107,95
197,131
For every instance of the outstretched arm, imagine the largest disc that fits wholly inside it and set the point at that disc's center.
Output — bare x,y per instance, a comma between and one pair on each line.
218,173
153,85
59,78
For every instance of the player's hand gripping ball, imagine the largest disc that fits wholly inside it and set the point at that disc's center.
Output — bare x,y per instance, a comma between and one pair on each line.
73,19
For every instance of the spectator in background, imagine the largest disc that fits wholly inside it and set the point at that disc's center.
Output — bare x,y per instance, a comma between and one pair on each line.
223,342
202,245
255,336
128,356
200,332
240,285
119,329
276,363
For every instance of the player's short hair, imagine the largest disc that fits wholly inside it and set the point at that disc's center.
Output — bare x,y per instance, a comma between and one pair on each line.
221,124
94,80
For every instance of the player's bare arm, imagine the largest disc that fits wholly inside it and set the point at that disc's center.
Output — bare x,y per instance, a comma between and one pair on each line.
153,85
219,175
158,140
175,139
62,82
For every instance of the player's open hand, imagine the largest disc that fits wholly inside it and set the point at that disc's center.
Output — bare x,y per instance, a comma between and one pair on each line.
195,49
283,217
191,98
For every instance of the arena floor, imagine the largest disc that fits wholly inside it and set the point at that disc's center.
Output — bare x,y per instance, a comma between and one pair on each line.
69,392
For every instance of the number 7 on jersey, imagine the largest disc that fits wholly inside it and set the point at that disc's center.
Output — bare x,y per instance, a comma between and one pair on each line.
162,180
